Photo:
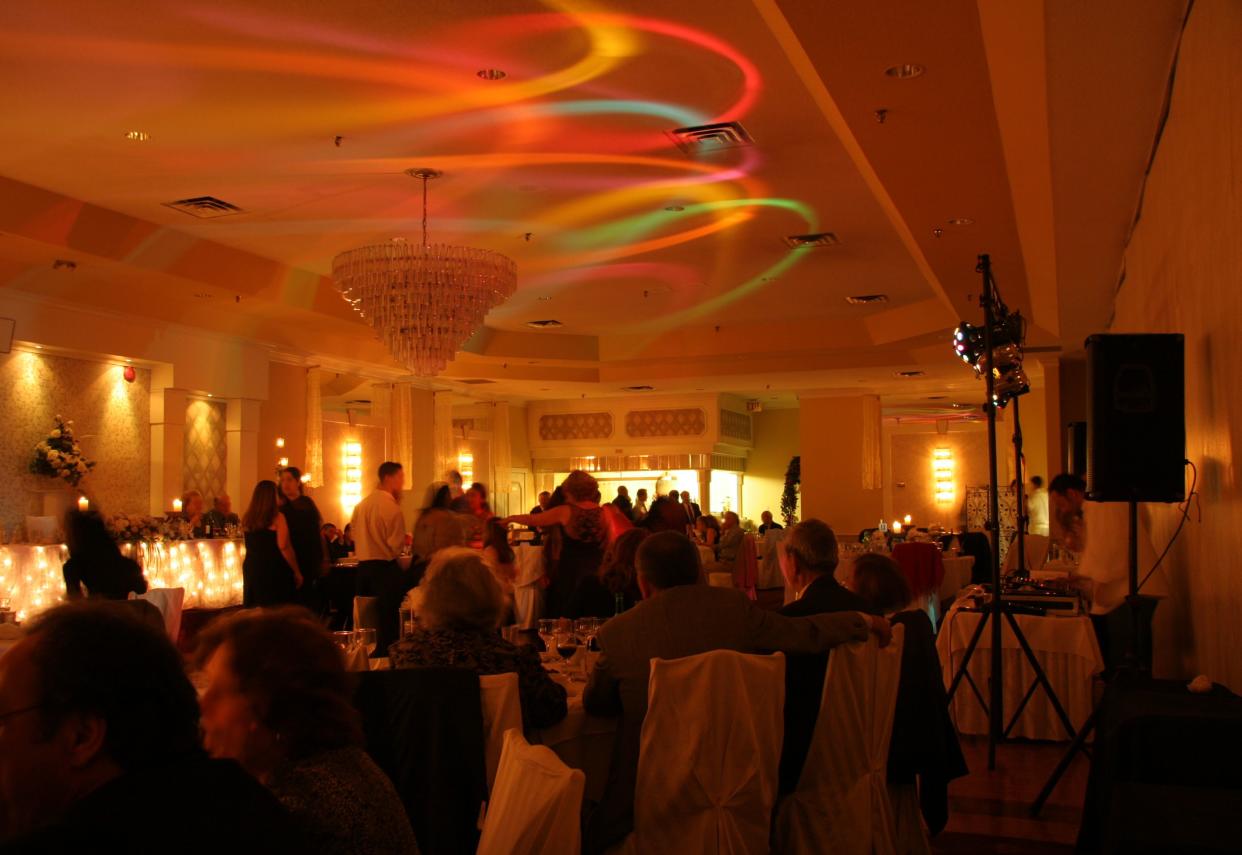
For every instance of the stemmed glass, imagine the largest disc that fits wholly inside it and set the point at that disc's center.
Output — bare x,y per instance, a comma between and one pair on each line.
587,628
547,634
566,645
366,637
344,639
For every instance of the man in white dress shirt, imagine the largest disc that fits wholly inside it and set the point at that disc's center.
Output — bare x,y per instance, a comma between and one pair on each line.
378,527
1037,507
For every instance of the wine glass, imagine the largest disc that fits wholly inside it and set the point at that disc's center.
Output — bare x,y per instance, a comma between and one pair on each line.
566,645
547,634
366,637
586,629
344,639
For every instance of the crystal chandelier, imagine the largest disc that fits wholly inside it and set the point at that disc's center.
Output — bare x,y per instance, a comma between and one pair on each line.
424,302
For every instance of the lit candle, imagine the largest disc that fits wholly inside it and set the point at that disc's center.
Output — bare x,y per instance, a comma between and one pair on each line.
907,520
896,526
176,506
84,504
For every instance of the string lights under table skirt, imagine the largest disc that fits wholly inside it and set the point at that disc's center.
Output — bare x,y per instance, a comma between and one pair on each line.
210,571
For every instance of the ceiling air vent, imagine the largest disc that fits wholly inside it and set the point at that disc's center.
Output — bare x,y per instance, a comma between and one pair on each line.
638,388
915,373
544,325
476,382
204,207
703,139
865,299
817,239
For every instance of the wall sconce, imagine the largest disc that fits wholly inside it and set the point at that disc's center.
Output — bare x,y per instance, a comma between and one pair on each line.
351,487
465,465
945,484
280,442
282,462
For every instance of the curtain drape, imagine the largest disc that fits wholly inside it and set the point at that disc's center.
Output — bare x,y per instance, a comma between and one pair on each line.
445,447
872,478
502,458
314,427
401,424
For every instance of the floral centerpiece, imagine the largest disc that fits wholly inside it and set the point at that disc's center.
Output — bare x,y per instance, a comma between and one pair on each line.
60,456
129,529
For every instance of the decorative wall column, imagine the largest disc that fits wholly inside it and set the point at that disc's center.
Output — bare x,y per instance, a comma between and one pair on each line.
314,427
840,484
167,442
444,446
241,434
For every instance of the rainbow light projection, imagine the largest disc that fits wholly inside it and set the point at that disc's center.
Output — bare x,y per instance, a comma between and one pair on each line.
569,113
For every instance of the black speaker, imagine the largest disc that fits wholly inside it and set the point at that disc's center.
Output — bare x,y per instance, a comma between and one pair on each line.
1136,425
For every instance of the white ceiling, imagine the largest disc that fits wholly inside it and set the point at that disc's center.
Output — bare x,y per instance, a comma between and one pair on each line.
1033,119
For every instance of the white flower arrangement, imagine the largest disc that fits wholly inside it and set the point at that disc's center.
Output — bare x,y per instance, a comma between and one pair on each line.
60,456
130,529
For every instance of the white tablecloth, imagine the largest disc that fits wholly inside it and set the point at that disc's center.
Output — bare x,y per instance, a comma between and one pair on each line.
209,570
527,587
1066,648
582,741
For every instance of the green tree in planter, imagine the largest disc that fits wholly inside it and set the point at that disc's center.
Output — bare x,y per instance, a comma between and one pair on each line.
789,498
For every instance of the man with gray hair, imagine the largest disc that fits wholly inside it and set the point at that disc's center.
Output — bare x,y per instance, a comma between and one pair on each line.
680,616
808,558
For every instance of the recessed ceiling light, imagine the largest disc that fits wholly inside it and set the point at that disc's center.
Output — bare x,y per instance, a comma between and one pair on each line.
137,136
905,71
545,324
863,299
64,264
38,347
544,299
816,239
638,388
936,397
961,221
490,74
911,373
202,295
675,208
209,395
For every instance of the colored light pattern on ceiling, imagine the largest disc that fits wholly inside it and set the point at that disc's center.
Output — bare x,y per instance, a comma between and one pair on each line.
602,150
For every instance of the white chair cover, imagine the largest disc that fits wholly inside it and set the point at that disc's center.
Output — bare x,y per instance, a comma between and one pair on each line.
910,836
711,745
366,613
841,804
536,804
169,602
502,711
770,568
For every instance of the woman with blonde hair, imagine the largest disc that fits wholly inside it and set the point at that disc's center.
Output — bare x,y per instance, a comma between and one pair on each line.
586,530
459,606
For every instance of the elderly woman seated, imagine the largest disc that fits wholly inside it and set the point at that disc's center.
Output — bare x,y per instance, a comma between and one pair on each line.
459,605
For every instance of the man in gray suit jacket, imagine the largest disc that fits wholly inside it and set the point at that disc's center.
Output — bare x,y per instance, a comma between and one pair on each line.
678,617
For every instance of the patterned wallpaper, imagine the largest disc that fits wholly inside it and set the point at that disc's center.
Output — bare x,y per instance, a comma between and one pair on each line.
575,426
111,418
206,448
682,422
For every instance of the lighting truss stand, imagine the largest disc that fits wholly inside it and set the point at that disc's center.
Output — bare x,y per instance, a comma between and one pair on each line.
998,731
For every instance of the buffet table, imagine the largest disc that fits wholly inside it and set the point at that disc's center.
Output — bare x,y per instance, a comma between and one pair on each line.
1066,648
32,580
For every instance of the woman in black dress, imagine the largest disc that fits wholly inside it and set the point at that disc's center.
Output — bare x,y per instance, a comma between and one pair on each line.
95,563
585,533
305,534
270,574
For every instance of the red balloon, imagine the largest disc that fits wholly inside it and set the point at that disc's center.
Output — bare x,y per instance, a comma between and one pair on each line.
130,374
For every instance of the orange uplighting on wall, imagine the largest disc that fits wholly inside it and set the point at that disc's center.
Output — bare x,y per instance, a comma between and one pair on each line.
465,465
351,489
945,484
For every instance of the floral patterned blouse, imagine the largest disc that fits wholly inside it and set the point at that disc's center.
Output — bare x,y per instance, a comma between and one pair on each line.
543,700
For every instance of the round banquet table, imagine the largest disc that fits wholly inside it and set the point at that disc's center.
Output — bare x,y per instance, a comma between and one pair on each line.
1066,648
582,741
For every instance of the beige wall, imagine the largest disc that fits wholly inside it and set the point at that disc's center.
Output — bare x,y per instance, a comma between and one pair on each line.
777,433
111,421
831,443
335,435
1183,274
283,414
908,481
